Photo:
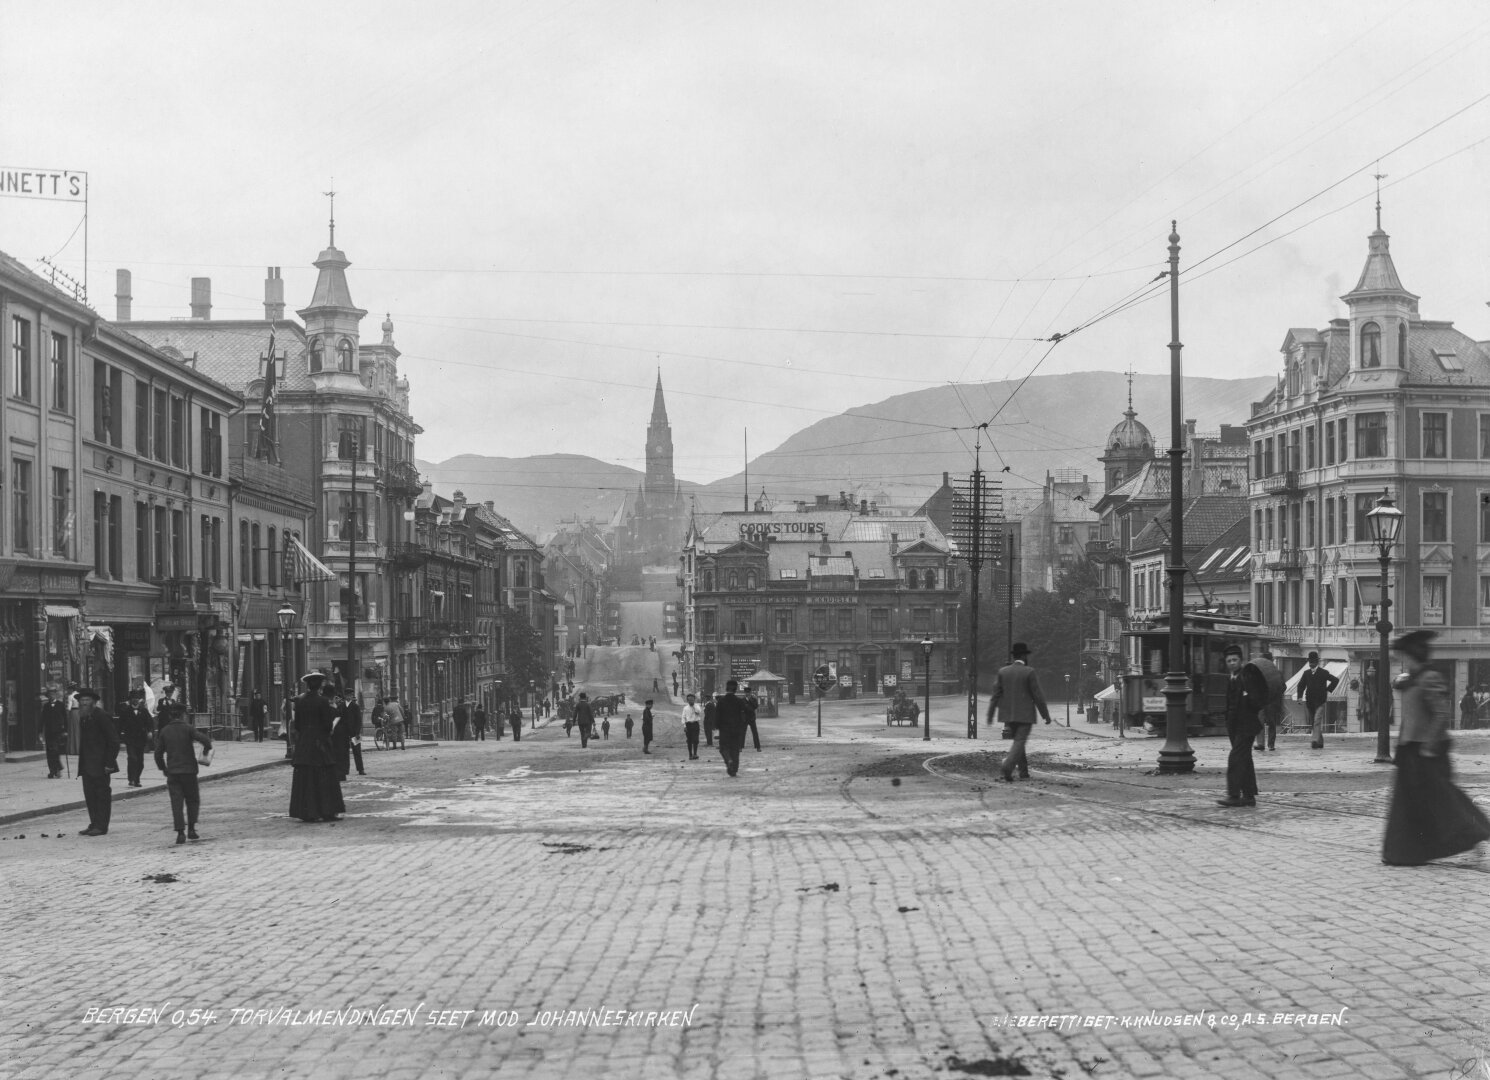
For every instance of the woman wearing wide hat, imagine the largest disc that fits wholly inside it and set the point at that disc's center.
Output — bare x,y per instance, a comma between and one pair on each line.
315,794
1429,818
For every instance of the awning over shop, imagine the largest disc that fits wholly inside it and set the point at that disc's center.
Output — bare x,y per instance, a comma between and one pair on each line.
1110,694
61,611
1337,668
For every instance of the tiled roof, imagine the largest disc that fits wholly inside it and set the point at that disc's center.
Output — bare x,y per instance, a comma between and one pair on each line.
1207,517
1220,560
231,351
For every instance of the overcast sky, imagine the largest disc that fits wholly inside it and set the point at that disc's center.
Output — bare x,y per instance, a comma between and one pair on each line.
791,208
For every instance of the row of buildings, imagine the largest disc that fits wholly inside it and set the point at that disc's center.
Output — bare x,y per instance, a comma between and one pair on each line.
1380,402
178,488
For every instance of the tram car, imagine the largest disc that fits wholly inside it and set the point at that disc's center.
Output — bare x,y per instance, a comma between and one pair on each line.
1206,637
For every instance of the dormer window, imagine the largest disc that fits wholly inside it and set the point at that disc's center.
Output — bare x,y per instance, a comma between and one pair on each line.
912,579
317,354
344,355
930,579
1370,345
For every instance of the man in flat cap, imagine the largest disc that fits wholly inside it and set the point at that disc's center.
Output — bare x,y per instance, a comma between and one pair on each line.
98,759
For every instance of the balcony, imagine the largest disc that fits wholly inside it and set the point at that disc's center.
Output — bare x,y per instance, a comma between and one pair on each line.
1284,559
402,480
1281,482
403,555
185,594
1100,646
408,629
1103,551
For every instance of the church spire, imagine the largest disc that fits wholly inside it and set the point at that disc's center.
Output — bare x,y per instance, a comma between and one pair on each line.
659,408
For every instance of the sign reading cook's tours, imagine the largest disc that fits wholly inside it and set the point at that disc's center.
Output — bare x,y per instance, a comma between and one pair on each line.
750,530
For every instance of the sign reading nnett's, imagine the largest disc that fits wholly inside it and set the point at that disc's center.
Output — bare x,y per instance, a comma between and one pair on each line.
64,184
757,530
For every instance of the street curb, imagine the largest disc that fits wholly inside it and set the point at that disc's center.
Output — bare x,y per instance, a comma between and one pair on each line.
138,793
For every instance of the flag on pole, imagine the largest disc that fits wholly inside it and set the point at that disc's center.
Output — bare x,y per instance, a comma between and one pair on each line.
301,565
266,412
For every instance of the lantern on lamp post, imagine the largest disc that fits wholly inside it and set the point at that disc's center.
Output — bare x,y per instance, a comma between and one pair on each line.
1383,523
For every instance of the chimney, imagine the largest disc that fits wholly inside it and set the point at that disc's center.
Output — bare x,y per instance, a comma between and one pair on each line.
122,295
1189,431
863,506
491,505
201,298
274,294
946,480
822,502
894,543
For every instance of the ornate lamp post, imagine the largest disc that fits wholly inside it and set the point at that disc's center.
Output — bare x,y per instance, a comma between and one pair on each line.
926,646
440,693
1176,756
286,617
1071,603
1383,523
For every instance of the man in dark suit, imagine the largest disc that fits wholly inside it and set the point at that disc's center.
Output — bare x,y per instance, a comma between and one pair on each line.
752,706
646,727
98,759
54,731
1017,697
136,726
1315,686
1246,697
729,721
584,719
258,715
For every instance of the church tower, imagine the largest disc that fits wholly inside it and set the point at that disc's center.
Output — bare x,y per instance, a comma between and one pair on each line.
660,484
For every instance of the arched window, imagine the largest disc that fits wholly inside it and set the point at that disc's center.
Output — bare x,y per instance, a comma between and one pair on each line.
708,582
317,354
1402,344
344,355
1370,345
929,581
734,580
911,579
750,579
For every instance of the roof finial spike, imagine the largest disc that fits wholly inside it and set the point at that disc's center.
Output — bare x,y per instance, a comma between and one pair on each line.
1130,411
1379,178
332,196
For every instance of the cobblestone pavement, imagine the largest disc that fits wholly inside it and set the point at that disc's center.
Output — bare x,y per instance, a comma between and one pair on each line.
838,910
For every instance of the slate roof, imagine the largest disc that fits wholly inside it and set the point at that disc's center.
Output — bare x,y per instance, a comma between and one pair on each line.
231,351
1207,518
1230,562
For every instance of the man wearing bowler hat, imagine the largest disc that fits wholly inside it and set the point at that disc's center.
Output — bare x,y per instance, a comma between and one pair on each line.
98,759
1016,697
1315,686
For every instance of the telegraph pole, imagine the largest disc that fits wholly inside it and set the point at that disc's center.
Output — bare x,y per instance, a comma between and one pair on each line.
977,539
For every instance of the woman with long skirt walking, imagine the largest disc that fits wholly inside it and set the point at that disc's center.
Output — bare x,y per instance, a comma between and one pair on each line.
1429,818
315,794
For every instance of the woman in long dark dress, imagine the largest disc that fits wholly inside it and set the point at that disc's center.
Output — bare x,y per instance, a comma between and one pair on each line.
315,794
1429,818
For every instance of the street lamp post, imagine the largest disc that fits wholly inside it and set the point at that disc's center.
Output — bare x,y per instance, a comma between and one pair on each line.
1383,523
286,617
926,646
1071,603
440,694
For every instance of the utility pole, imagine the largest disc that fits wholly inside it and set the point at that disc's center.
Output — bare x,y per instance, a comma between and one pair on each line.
974,529
351,598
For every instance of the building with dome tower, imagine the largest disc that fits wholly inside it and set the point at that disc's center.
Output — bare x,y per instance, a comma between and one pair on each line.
1136,481
341,442
1381,401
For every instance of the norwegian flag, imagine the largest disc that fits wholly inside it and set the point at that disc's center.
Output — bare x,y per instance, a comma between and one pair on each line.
301,565
266,413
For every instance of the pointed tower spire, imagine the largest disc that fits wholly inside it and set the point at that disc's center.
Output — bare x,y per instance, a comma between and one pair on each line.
659,407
